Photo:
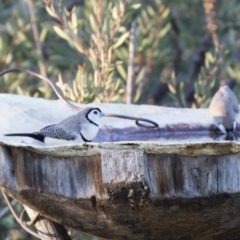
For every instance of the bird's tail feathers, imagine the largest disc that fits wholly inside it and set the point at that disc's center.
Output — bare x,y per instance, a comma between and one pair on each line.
36,136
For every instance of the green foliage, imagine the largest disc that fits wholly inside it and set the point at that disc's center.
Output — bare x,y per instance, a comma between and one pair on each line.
100,31
205,85
176,91
18,48
87,47
95,41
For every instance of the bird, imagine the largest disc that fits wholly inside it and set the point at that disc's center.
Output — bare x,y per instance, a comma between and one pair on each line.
224,108
81,127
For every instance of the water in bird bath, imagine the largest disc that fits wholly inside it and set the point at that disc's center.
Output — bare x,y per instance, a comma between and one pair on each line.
165,136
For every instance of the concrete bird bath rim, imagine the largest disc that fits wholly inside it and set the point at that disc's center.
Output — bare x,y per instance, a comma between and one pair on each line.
178,128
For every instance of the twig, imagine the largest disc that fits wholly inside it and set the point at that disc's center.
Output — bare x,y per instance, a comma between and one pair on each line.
20,221
213,68
36,38
5,210
118,24
153,48
44,226
210,7
131,62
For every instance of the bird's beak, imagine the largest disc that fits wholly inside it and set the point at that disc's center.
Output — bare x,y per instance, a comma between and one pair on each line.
102,114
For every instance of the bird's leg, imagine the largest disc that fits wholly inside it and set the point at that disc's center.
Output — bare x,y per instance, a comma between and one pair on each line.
222,128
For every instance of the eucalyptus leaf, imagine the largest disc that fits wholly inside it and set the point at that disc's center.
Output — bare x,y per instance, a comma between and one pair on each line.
121,40
62,33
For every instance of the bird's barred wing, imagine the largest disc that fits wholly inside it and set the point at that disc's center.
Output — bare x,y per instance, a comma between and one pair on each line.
55,131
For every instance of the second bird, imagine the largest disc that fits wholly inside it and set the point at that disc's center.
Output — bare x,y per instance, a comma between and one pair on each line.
81,127
224,108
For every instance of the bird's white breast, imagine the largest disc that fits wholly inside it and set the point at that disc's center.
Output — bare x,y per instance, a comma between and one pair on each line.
89,131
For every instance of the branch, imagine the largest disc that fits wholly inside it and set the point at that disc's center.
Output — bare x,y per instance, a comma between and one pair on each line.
131,62
36,38
20,220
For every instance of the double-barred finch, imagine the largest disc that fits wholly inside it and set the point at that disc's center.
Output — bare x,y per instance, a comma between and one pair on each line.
81,127
224,108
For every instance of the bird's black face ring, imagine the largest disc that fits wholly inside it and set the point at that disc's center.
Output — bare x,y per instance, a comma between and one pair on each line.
94,115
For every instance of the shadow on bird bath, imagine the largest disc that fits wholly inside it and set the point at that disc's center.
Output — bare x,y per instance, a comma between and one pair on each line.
165,136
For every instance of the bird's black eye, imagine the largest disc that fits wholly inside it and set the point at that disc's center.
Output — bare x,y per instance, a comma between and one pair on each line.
95,112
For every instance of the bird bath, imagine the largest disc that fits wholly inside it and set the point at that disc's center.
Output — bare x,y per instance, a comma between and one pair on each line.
176,182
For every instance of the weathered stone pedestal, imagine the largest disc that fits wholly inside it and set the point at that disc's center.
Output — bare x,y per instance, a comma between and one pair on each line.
175,182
